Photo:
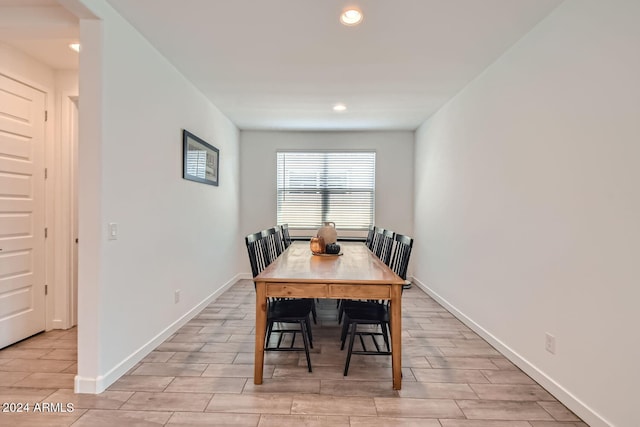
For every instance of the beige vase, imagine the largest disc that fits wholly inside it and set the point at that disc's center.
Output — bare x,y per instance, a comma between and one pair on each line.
328,232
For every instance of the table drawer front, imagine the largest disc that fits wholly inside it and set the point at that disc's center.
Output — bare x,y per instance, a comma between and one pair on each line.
292,290
325,290
360,291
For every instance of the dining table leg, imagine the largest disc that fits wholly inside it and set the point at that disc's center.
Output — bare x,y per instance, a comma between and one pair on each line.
396,335
261,326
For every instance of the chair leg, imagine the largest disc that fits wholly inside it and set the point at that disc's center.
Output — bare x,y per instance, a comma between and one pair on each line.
308,331
385,330
313,312
345,331
268,337
305,339
353,336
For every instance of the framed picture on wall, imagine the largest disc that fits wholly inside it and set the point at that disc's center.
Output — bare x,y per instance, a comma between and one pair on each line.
200,160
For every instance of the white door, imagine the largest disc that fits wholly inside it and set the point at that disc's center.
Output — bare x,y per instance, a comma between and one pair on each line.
22,288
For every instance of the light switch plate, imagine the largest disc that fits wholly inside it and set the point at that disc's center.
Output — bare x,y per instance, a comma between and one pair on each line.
113,231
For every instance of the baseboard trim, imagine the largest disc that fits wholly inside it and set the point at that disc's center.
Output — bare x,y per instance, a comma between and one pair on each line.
100,383
87,385
589,416
58,324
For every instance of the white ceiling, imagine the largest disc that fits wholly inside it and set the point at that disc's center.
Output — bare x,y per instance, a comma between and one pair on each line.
42,29
282,64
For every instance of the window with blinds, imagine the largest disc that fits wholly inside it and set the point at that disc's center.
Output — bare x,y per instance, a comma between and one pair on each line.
314,187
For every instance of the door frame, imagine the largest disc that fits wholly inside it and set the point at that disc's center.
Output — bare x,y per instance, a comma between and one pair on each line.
75,132
62,207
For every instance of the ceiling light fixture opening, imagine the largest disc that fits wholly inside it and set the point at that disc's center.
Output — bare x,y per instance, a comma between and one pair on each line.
351,16
75,46
339,107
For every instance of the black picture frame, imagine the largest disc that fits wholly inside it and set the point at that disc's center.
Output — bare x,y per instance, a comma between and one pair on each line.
200,160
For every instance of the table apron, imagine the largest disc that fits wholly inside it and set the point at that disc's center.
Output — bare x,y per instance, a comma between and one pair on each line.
328,290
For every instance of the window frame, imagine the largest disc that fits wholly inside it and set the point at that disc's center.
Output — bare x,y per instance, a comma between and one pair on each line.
327,191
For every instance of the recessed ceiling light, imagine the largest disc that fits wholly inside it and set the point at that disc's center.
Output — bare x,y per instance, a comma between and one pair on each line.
75,46
351,16
339,107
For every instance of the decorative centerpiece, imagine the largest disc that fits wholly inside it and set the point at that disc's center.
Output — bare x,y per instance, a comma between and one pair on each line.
325,241
317,245
332,248
328,232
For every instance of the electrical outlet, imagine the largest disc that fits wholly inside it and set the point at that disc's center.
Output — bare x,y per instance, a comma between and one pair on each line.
550,343
176,296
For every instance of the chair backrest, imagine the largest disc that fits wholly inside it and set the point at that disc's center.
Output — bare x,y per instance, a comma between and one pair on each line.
279,242
273,243
256,247
383,250
369,241
376,240
286,239
401,253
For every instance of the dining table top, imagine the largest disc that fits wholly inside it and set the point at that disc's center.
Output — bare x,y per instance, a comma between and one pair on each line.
357,265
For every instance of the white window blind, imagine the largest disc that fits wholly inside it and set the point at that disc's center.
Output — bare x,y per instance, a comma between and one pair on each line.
314,187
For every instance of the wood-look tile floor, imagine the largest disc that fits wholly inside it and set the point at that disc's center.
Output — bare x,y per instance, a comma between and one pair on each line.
203,375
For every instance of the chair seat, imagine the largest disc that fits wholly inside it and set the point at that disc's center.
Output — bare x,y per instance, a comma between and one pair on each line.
290,309
352,305
365,311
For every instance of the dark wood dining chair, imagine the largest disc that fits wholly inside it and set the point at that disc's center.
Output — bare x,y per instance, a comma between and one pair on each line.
381,246
374,313
383,251
376,240
401,255
382,243
275,247
258,256
369,243
280,311
286,238
370,234
273,243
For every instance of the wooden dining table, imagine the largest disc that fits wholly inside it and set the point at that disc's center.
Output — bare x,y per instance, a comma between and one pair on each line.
356,274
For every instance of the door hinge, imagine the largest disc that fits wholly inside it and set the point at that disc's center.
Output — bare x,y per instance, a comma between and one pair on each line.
46,173
46,115
46,232
46,289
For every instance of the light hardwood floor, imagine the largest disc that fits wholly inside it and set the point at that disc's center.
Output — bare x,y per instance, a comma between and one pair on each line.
203,375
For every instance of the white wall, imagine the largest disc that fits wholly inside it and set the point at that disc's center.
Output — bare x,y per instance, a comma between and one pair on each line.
394,173
173,234
16,63
527,206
